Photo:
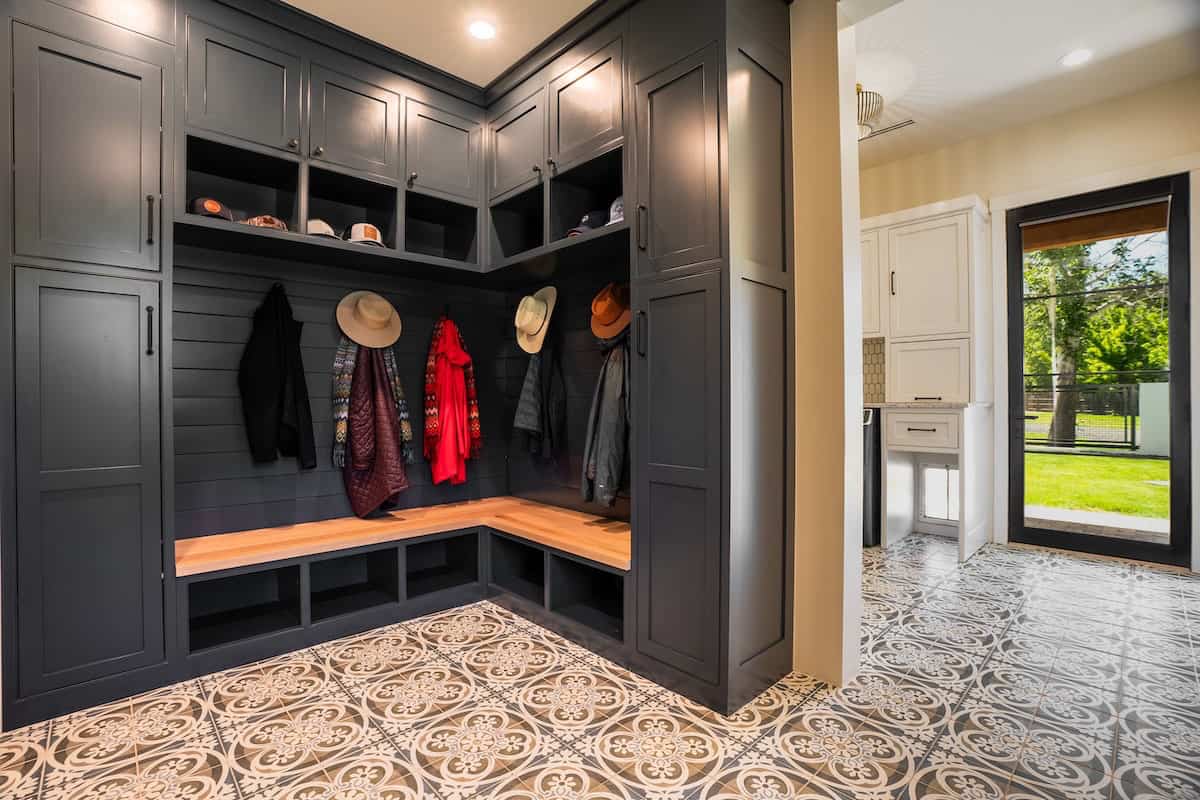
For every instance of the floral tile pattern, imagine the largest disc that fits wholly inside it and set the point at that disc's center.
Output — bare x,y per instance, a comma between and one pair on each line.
1025,673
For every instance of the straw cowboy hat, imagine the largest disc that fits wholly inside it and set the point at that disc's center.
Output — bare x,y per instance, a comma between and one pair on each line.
610,310
368,319
533,318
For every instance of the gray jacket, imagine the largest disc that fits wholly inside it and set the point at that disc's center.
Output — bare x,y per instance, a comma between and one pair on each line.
608,426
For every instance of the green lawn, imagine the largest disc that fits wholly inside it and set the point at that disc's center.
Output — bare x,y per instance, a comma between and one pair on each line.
1098,483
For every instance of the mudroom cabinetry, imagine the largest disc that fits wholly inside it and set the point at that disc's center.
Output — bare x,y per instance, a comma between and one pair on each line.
442,152
517,146
353,123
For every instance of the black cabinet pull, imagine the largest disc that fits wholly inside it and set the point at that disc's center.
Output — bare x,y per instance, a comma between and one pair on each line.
928,397
892,279
641,227
149,330
149,219
641,333
922,430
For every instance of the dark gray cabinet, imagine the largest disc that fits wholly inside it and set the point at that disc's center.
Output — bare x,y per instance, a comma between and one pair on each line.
585,108
87,152
517,146
89,531
442,152
353,123
677,478
678,209
241,87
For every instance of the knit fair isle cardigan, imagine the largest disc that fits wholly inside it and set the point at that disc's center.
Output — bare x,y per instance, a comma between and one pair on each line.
343,374
433,429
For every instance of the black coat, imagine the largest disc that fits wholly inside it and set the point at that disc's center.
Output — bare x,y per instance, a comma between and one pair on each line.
271,380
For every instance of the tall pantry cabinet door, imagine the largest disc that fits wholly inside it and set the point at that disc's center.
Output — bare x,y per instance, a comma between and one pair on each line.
678,182
89,529
87,152
677,481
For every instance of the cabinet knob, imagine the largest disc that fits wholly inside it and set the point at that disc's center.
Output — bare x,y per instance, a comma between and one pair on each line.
293,143
412,178
553,165
318,150
537,169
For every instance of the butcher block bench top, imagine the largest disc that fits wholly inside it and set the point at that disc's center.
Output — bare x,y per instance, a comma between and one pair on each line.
598,539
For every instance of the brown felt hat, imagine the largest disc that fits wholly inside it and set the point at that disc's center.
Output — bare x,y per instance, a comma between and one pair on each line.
368,319
610,310
533,318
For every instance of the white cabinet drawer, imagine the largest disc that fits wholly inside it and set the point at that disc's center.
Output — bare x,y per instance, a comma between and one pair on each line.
937,371
922,429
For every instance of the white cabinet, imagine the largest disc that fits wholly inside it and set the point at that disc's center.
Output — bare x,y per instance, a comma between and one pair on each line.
929,278
937,370
872,307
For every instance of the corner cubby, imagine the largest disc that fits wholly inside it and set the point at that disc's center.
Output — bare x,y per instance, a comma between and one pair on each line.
246,181
431,566
352,583
518,568
517,223
590,186
239,607
440,228
342,200
590,596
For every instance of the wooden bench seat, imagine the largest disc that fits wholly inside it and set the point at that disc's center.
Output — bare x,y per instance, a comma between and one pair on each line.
598,539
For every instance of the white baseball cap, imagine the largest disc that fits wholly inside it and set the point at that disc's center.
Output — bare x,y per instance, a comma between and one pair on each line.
364,233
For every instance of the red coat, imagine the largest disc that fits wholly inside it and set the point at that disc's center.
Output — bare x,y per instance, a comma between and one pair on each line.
451,409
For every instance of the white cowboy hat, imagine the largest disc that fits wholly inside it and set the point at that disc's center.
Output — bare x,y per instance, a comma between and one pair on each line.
368,319
533,318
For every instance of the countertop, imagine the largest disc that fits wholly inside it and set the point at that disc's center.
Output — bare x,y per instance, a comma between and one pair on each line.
928,404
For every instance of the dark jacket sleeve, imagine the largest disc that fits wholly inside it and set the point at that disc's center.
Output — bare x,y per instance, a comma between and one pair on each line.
260,381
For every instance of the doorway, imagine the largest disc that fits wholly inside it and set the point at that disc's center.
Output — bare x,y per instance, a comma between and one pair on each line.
1099,429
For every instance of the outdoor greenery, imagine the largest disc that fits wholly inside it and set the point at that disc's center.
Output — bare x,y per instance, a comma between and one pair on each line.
1098,483
1093,310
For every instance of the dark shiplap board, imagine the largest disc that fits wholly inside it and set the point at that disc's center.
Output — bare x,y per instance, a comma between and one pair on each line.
218,487
558,483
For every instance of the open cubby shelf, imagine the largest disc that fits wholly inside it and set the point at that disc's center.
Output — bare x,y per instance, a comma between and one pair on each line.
346,584
590,596
342,200
246,181
441,228
517,223
590,186
432,566
518,568
239,607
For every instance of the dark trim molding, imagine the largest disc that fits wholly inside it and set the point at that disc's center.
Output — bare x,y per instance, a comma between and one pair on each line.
1179,254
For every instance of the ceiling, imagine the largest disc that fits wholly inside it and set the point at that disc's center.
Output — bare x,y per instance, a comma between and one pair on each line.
968,67
435,31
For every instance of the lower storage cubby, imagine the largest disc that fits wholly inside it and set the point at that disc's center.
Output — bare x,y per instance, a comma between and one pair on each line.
441,564
239,607
518,568
246,182
587,595
352,583
441,228
588,188
343,200
517,223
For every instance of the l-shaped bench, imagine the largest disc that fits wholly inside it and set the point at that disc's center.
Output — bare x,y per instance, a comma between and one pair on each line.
252,594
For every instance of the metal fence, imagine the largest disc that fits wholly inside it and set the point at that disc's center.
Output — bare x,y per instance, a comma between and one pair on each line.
1106,415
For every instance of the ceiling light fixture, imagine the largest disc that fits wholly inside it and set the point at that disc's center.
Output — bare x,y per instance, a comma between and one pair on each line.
481,29
1076,58
870,106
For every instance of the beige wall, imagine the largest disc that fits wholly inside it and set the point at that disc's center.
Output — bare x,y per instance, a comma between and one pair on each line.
1152,125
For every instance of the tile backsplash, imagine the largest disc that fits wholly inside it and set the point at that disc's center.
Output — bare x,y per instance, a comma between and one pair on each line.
874,374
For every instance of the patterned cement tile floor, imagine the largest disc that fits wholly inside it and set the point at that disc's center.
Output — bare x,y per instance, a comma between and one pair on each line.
1023,674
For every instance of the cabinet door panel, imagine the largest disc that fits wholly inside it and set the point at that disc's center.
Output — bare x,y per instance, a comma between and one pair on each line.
678,212
242,88
677,472
353,123
518,146
89,534
872,322
441,151
935,370
930,265
87,152
585,107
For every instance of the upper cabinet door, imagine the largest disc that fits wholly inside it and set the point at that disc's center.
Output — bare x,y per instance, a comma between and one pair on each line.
353,123
89,555
242,88
929,278
872,319
441,152
585,108
517,144
87,152
678,220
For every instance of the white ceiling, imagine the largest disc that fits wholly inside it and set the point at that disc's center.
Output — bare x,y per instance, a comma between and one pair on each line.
962,68
435,31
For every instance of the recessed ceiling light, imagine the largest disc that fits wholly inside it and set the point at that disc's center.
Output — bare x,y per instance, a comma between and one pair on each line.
481,29
1076,58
